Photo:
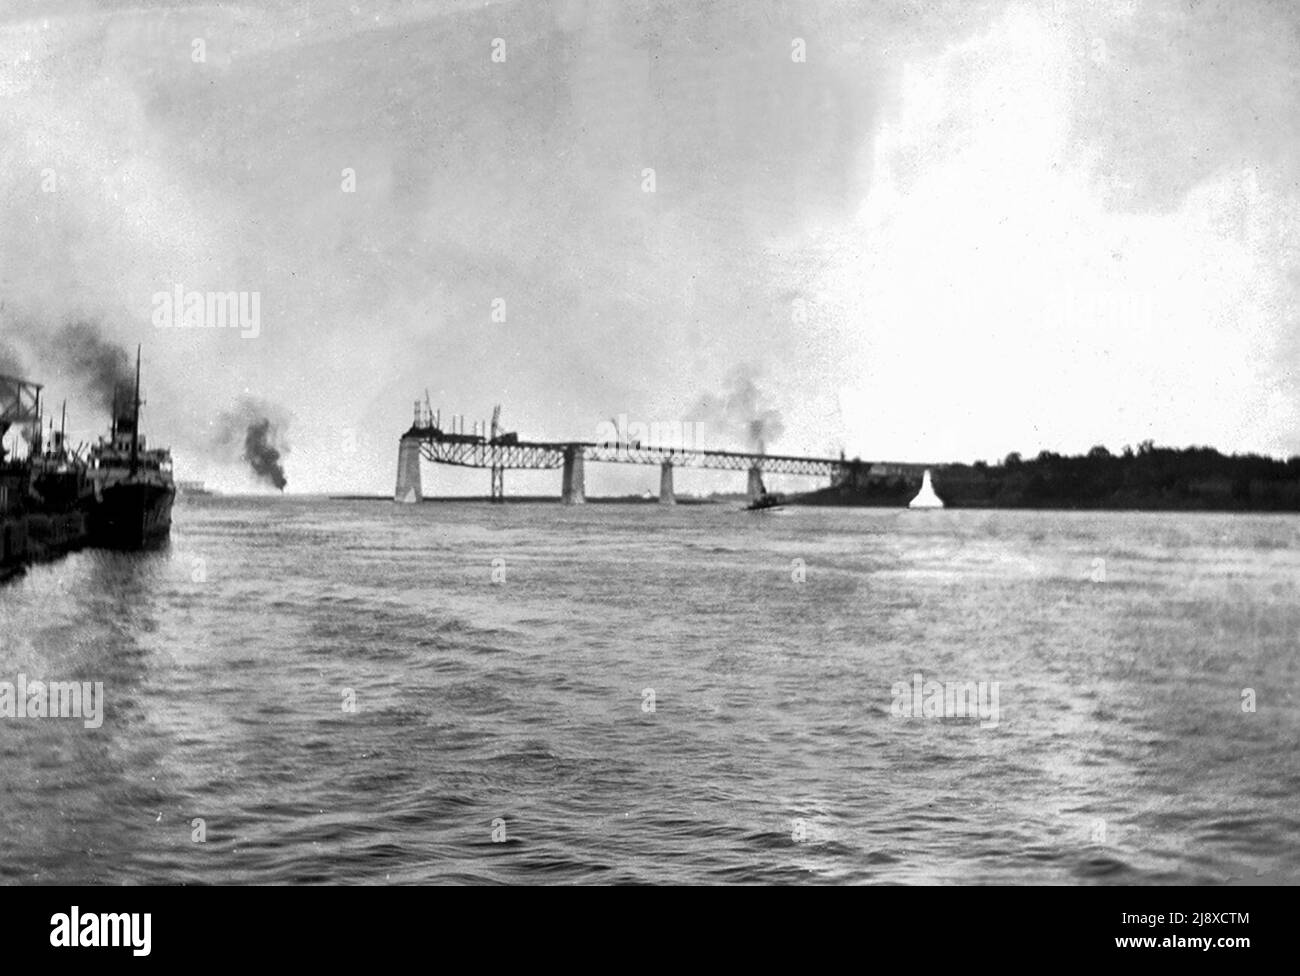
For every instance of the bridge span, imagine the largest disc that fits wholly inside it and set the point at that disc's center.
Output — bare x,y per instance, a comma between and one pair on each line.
427,440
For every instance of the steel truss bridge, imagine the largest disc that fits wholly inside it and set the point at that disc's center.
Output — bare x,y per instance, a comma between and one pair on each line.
540,455
426,440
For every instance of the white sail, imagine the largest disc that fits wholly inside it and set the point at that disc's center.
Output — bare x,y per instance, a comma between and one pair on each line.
926,498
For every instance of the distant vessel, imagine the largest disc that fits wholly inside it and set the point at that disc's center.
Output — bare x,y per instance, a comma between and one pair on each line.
129,504
765,500
759,497
926,498
192,488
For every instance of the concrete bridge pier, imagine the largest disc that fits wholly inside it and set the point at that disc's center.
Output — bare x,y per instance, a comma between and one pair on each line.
755,483
666,496
408,489
573,486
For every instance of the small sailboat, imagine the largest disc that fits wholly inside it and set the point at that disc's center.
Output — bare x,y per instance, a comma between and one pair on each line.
926,498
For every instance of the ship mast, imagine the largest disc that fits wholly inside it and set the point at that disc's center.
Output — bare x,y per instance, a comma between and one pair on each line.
38,448
135,426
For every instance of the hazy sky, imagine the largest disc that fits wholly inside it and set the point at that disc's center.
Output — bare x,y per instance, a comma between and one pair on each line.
955,230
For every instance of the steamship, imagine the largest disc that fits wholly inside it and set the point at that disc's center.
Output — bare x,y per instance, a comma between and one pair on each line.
130,494
40,493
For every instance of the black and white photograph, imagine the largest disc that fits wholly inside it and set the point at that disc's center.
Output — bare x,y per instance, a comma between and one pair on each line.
651,443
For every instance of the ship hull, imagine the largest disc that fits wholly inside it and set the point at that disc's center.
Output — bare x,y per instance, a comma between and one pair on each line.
131,515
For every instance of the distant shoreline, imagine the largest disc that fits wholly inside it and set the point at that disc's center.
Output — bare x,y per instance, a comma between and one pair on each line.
811,500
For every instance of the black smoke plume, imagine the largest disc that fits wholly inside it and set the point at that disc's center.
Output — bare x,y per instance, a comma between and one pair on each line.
81,351
257,429
78,353
261,454
738,411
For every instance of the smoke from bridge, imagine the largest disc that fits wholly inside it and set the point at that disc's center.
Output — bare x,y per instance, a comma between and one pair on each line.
739,411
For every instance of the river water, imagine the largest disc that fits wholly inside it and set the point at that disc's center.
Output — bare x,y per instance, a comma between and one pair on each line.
317,691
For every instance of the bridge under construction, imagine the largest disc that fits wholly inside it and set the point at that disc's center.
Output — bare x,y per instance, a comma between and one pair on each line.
498,451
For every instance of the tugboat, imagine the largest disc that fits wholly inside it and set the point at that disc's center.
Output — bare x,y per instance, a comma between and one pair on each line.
129,504
759,497
766,500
